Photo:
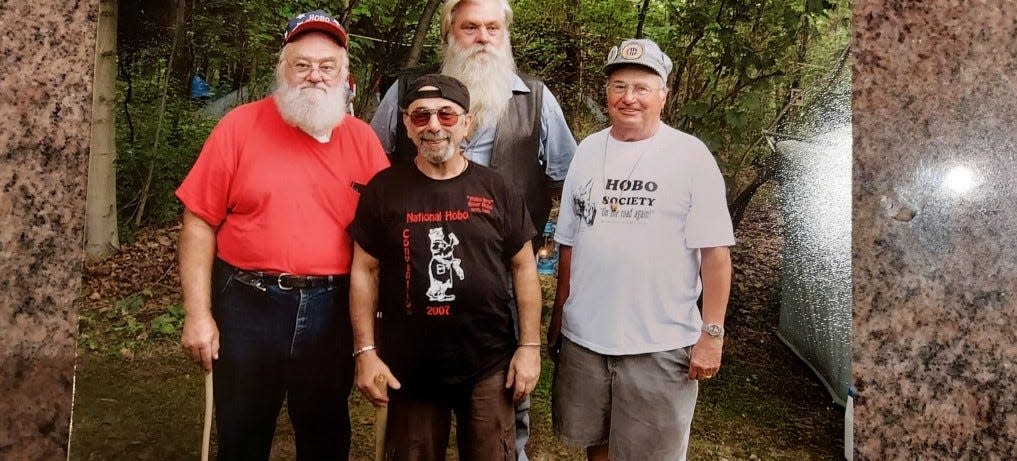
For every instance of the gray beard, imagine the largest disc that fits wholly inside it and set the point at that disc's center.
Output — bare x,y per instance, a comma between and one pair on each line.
489,76
439,155
316,113
436,155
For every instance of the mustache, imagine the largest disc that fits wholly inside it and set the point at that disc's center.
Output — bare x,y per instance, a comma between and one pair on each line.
320,86
428,136
481,48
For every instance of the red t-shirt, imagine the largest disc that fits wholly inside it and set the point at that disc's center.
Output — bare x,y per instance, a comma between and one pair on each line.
281,200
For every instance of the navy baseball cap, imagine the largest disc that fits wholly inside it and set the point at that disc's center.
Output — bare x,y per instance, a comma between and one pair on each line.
315,21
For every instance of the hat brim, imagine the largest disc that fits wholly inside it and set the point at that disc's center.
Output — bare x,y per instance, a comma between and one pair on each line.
609,68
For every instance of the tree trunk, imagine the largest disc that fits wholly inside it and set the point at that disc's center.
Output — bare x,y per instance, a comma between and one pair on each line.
741,202
642,18
421,33
182,62
101,238
146,186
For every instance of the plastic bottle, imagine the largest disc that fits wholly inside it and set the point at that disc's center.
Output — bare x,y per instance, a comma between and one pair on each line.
547,255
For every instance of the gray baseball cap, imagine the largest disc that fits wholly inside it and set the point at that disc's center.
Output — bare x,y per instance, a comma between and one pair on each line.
640,52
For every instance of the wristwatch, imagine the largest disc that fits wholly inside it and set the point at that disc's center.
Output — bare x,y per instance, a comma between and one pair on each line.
714,330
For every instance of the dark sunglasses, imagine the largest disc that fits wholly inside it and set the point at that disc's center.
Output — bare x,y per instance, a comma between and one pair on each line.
446,117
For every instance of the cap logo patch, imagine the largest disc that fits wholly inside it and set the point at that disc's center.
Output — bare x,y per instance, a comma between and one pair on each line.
632,51
318,17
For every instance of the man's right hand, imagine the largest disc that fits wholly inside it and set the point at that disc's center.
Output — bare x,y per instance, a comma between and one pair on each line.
369,366
200,339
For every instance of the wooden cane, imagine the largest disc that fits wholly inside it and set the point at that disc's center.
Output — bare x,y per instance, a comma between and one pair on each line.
380,419
206,434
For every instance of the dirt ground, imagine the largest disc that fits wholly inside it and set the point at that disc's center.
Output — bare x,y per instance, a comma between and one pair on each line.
138,398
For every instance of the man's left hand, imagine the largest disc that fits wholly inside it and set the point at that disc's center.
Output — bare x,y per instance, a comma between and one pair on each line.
705,361
523,372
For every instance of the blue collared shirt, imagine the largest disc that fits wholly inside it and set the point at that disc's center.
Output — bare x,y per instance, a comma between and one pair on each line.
557,145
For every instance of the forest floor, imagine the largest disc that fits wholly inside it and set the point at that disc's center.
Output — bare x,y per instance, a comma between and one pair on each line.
138,398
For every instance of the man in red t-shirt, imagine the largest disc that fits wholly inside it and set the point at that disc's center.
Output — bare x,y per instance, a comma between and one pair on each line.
265,256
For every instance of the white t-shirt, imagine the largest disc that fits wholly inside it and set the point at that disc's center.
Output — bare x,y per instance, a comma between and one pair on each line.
636,226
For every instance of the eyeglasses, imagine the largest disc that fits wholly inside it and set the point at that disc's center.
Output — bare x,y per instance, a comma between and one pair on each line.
639,89
303,69
446,116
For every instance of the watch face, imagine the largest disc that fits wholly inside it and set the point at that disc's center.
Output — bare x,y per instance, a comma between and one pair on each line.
713,330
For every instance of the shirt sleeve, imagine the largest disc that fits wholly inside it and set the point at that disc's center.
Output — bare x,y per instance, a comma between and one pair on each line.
518,228
565,228
709,222
366,225
386,119
375,159
557,145
205,189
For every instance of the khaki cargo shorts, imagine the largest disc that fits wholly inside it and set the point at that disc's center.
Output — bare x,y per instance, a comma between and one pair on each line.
641,405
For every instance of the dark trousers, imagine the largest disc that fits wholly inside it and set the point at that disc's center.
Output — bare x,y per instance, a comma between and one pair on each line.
277,344
418,427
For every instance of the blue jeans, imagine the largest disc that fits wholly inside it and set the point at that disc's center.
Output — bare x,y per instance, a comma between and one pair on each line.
277,344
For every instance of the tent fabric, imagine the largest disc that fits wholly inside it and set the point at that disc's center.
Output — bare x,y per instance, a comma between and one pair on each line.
815,196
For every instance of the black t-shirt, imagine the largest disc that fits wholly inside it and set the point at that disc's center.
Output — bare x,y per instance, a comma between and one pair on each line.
444,248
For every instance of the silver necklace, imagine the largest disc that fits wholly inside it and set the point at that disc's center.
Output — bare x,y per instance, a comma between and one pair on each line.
603,174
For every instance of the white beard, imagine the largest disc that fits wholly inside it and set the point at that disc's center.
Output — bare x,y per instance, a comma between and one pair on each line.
312,110
488,72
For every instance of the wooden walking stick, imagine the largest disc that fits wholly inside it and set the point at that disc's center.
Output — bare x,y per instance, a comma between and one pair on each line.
380,420
206,434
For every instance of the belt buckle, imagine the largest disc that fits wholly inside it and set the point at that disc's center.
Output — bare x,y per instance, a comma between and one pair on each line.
279,281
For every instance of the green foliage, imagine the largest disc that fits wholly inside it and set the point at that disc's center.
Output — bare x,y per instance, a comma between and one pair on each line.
170,323
736,62
129,325
181,137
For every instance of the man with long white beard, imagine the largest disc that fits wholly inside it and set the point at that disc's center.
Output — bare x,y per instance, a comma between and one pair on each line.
518,127
265,256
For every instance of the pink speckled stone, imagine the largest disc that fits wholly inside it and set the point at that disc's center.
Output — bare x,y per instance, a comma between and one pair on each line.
934,241
46,59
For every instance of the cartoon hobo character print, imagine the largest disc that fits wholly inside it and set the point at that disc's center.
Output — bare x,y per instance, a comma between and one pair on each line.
582,204
443,265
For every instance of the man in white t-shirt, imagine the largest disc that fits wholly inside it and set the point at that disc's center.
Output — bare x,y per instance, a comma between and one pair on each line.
644,228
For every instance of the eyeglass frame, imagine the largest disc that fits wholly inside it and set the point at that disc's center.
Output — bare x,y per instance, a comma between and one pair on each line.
296,64
441,111
638,89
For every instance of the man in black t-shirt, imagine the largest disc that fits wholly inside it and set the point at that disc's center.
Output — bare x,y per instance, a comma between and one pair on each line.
437,242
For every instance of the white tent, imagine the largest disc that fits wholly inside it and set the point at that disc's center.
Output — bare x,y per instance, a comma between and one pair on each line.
815,314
